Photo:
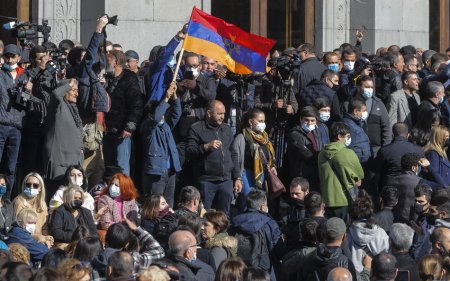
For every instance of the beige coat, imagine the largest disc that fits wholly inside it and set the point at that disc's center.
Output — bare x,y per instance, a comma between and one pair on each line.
21,202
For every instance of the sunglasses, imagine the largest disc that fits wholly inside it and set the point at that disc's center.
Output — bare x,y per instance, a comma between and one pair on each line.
34,185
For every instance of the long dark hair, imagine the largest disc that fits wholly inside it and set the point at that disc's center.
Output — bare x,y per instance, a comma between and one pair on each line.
67,176
87,248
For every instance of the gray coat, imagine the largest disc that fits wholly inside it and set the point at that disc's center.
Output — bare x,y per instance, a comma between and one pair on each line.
398,108
63,139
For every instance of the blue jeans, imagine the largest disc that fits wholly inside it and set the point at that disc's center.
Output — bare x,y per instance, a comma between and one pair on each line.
223,191
165,185
117,151
10,142
248,182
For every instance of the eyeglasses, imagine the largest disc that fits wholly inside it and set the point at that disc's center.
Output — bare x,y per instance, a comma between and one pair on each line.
34,185
195,245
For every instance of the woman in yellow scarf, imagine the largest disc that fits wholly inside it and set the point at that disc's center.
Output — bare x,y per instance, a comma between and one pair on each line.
255,154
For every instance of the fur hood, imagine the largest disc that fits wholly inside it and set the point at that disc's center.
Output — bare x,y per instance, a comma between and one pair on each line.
229,243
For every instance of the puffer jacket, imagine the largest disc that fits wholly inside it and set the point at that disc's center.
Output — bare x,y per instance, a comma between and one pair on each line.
363,241
126,103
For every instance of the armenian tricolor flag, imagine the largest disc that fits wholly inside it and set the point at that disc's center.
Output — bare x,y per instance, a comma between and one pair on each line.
240,51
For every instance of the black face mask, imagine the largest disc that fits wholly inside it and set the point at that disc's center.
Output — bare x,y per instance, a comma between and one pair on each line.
76,204
418,208
447,143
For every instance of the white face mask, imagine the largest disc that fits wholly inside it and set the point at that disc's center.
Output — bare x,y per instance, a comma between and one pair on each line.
114,191
348,141
195,71
349,65
76,180
260,127
364,116
30,227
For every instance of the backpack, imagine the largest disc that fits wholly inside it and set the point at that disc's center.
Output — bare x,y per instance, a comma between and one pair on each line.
164,228
253,249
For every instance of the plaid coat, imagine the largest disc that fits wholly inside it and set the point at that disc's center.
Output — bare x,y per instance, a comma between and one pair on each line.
129,210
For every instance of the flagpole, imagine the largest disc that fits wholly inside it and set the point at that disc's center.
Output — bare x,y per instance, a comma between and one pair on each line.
178,65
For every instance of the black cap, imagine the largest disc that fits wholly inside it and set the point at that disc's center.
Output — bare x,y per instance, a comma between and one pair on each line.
130,54
11,49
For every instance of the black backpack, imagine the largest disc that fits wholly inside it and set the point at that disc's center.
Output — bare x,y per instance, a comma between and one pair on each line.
164,228
253,250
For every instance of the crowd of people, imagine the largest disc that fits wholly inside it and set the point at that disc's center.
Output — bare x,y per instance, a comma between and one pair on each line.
329,166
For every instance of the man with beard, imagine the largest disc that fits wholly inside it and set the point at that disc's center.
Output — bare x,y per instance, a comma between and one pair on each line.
125,113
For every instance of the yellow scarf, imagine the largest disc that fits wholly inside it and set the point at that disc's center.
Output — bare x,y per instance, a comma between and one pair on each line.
257,140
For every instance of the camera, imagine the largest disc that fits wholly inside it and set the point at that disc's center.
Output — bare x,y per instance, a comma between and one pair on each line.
27,31
112,20
286,64
59,59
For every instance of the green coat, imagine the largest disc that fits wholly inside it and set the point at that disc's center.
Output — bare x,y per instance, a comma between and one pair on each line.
346,164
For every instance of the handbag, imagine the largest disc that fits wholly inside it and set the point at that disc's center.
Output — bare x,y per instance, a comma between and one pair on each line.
274,184
92,137
350,193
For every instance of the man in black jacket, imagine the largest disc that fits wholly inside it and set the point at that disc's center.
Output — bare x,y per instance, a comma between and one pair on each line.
310,68
401,238
328,256
125,113
434,96
209,150
389,156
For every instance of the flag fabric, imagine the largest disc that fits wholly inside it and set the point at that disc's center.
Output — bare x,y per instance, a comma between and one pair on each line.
241,52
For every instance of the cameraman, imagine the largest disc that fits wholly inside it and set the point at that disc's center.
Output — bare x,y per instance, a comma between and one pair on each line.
11,113
33,126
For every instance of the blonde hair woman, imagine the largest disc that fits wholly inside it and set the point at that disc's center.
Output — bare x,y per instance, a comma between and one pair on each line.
33,197
22,232
435,151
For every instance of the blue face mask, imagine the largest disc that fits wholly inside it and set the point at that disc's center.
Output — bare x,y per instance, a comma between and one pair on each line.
334,67
2,190
367,93
324,116
161,122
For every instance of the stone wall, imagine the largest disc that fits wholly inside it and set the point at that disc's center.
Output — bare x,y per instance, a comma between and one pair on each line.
384,22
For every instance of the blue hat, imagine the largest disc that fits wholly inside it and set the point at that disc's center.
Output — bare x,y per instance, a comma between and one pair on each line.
11,49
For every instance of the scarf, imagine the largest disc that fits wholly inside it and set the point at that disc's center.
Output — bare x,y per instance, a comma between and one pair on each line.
259,159
74,111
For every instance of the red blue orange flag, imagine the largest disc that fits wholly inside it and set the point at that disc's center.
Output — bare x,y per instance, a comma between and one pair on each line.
241,52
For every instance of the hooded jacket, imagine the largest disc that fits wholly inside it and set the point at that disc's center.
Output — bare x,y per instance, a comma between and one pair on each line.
322,260
365,241
253,220
344,173
222,246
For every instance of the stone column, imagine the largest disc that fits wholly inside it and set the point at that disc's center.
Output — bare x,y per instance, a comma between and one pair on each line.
63,16
332,23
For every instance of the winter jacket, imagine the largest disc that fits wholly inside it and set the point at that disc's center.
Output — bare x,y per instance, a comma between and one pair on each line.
162,152
87,78
7,217
222,246
216,164
20,235
159,73
318,89
11,114
385,219
365,241
360,140
294,260
379,128
441,166
252,221
129,210
389,157
310,69
193,271
346,164
424,108
406,262
63,223
126,103
321,261
301,154
150,251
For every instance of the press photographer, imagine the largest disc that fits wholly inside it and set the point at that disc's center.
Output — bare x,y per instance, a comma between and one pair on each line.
11,113
42,74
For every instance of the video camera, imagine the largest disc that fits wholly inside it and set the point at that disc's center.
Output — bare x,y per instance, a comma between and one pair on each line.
58,57
25,31
22,96
285,64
